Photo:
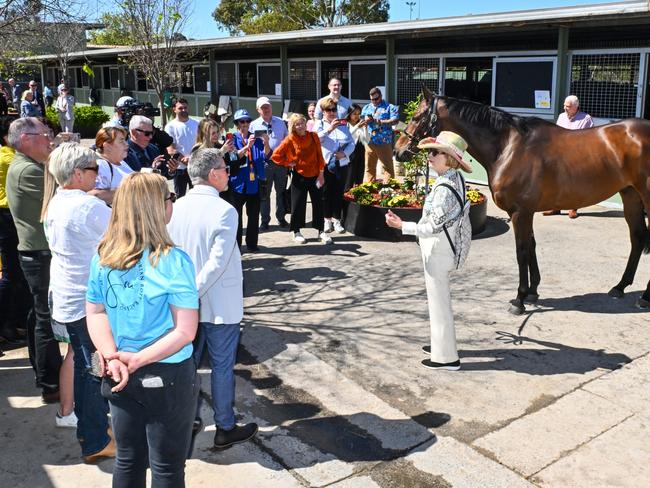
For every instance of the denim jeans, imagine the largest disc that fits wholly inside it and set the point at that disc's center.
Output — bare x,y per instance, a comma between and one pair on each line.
153,424
15,300
89,406
276,175
43,349
222,341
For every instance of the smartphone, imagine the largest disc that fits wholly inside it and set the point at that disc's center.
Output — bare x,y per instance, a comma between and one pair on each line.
230,136
343,122
261,132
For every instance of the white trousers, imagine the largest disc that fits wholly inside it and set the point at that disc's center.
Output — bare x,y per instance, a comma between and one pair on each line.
438,260
66,125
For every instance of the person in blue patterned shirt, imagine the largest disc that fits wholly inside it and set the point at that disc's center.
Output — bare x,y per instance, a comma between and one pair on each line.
379,116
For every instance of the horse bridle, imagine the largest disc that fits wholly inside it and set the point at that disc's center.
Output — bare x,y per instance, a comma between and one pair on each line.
422,131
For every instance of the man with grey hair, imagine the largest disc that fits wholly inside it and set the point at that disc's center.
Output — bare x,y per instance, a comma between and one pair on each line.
209,237
145,154
31,139
573,119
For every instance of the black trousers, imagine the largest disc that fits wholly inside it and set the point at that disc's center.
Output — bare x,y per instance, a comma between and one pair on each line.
181,181
252,202
356,167
15,299
300,187
333,193
43,349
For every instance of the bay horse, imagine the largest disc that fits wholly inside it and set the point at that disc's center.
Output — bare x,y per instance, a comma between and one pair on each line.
534,165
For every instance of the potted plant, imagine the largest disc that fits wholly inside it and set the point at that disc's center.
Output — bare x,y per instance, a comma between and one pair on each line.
367,205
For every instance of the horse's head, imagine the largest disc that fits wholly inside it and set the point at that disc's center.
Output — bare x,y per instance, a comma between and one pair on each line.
424,123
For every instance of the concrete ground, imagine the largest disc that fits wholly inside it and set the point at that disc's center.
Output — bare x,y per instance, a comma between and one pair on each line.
329,366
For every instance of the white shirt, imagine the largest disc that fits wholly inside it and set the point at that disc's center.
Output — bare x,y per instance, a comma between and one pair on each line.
107,179
205,226
184,135
74,225
339,139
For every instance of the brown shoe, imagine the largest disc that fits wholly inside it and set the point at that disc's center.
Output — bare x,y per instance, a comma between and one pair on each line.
50,397
107,452
551,212
573,213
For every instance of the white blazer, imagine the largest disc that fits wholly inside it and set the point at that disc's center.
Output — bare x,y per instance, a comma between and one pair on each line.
205,227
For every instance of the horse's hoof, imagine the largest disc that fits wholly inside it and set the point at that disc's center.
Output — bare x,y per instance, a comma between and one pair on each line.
531,298
516,309
616,293
643,304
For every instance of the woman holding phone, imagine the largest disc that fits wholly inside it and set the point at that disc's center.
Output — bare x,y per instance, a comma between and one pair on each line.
142,314
246,175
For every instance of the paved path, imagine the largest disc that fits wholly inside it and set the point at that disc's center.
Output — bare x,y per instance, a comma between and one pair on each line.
329,368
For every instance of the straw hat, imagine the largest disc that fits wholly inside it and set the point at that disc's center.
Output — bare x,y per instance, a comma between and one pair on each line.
448,143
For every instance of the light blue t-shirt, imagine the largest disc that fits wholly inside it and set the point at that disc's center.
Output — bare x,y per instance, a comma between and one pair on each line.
138,300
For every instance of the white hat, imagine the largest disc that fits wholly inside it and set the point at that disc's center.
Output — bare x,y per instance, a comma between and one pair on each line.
262,101
122,101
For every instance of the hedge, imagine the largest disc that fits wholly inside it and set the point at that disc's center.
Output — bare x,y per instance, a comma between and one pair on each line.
87,119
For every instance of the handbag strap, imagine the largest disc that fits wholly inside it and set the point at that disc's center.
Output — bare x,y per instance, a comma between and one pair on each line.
460,202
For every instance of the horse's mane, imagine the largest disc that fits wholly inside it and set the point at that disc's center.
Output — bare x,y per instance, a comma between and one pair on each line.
490,117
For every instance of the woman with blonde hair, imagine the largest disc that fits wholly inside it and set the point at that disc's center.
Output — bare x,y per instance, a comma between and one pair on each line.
301,152
74,222
209,136
142,307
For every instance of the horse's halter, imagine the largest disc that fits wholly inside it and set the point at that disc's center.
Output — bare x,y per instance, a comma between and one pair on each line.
427,125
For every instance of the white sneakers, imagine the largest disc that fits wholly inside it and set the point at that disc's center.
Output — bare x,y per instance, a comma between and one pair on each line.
324,237
64,421
299,238
333,225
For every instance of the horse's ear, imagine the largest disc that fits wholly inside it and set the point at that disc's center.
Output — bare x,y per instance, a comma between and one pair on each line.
426,93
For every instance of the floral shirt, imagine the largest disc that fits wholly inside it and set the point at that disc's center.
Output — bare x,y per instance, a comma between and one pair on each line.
380,133
440,207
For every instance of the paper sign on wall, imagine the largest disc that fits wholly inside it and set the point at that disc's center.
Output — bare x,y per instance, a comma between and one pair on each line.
278,89
542,99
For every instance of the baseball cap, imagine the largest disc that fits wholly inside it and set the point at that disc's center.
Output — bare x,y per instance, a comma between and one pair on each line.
242,114
122,101
262,101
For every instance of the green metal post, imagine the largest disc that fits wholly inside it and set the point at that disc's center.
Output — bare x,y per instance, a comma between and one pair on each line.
563,74
391,85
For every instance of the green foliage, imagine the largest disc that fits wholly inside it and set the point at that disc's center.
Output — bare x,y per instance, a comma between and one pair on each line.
409,108
87,119
259,16
114,34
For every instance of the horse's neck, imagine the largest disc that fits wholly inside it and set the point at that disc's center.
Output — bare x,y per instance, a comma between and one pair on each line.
483,144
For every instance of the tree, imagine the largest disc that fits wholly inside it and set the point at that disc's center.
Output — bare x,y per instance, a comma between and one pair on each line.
154,29
259,16
113,34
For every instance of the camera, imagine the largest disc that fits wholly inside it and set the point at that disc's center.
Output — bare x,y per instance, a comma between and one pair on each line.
133,107
261,132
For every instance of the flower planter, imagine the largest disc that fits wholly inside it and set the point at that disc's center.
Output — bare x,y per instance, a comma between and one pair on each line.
478,216
370,221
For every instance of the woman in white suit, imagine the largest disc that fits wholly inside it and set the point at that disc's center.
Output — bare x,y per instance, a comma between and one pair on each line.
211,243
65,110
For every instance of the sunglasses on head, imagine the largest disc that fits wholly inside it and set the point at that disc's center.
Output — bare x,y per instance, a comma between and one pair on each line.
172,197
146,133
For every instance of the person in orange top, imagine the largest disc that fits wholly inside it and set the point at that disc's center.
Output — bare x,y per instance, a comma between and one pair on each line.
301,152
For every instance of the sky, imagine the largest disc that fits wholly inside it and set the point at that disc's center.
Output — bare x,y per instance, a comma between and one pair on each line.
202,26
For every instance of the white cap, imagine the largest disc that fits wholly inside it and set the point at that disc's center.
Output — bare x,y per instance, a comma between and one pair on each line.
262,101
124,101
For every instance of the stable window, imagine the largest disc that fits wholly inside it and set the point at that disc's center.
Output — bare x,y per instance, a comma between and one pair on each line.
269,80
524,84
606,84
302,80
227,79
248,80
129,79
106,78
141,81
365,75
114,76
201,78
412,73
182,79
335,69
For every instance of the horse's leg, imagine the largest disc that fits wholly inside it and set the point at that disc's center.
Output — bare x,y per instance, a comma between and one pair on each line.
533,267
522,223
633,210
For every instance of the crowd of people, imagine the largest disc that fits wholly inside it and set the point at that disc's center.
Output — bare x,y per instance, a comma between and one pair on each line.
96,255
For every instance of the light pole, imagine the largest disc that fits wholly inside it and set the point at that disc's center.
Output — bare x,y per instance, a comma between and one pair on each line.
411,5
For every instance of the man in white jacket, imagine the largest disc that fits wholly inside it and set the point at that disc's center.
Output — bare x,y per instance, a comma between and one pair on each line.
205,227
